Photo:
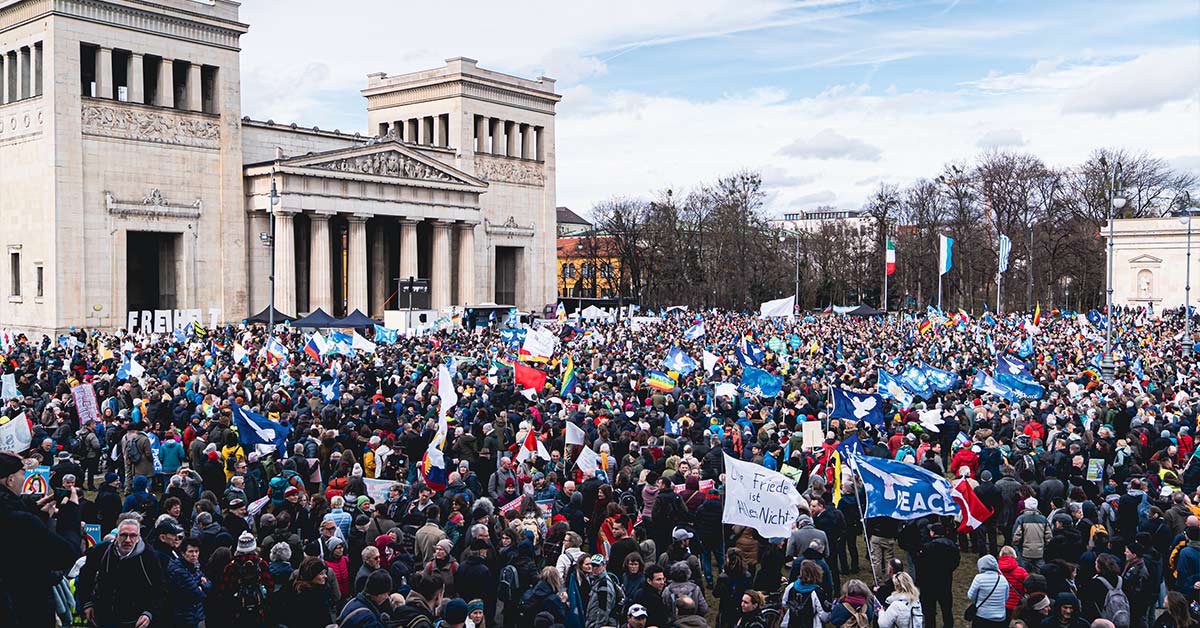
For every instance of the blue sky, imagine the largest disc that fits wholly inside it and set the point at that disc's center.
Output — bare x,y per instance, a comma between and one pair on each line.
827,98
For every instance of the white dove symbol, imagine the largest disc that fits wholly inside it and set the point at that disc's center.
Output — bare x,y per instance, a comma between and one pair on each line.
1013,368
862,407
889,481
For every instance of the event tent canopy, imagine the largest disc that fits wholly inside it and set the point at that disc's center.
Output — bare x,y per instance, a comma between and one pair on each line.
318,318
357,320
265,317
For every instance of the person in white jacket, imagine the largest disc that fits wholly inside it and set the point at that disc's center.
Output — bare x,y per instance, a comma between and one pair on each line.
903,605
570,554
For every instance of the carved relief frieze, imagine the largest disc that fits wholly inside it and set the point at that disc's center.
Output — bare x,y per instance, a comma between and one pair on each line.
118,120
509,170
509,228
388,164
153,205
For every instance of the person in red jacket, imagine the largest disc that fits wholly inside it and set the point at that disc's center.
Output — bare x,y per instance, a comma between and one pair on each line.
965,457
1035,429
1015,575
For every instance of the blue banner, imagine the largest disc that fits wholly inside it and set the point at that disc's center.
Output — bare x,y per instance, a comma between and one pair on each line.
1015,374
759,382
694,332
941,381
913,378
386,336
890,388
903,491
256,429
857,406
680,362
748,353
986,383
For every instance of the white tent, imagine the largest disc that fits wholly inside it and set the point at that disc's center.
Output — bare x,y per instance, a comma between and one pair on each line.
593,313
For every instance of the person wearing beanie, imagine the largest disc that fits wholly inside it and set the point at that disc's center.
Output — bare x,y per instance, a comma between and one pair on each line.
1140,588
1031,533
39,548
304,600
443,564
336,560
1034,609
280,565
366,609
454,614
109,501
245,583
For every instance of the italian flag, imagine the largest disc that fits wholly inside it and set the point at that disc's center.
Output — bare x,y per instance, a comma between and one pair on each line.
891,257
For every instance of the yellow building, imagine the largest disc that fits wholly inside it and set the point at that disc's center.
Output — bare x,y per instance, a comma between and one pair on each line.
588,267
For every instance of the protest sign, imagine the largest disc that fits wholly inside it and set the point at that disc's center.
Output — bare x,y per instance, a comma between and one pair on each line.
91,532
85,402
8,387
813,435
1095,470
37,481
759,498
15,435
377,490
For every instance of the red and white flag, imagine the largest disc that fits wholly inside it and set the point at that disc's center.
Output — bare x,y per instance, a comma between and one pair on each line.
531,447
974,512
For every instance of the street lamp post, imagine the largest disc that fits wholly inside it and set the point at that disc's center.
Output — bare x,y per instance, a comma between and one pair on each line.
1186,218
274,199
1117,202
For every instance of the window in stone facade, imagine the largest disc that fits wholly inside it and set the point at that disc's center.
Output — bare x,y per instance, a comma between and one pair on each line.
14,272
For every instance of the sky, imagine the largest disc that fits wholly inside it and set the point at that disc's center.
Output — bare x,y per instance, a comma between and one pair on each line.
826,98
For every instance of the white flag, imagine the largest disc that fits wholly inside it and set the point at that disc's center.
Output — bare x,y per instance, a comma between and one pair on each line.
135,369
9,388
779,307
710,360
760,498
448,398
15,435
362,344
575,434
725,389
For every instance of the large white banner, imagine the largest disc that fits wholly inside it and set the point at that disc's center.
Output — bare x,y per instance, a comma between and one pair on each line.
760,498
15,435
779,307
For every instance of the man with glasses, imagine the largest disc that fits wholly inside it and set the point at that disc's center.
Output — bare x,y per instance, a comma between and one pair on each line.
124,586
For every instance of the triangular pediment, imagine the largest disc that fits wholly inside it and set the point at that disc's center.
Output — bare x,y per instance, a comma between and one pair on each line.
1146,258
390,159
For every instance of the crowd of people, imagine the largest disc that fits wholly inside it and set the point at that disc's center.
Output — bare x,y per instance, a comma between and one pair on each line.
1091,488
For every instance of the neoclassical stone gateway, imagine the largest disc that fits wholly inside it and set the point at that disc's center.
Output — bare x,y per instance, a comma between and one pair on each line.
130,181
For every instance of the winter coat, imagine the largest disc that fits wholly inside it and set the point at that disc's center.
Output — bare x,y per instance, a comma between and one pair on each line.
989,590
1016,580
35,553
185,592
900,612
171,455
119,590
676,590
1031,532
360,612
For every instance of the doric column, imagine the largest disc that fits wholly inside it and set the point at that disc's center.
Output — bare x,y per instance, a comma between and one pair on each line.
4,77
379,278
194,90
408,249
166,84
539,141
440,281
439,133
481,134
466,263
356,261
514,146
526,141
285,262
104,78
38,68
25,72
136,83
320,267
497,136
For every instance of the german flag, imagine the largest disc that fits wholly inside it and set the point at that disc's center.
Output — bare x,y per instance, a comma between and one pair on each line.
1037,315
925,326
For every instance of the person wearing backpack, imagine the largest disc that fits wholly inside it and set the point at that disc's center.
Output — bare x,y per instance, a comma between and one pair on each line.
606,599
988,593
245,583
805,602
139,460
1103,597
1139,587
856,607
903,605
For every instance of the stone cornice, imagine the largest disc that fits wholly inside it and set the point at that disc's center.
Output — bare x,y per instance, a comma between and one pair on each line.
134,15
461,86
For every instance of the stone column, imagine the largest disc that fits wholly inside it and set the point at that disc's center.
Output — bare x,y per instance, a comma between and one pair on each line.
38,68
104,78
439,134
466,263
285,262
4,77
526,141
440,281
194,90
497,136
539,141
481,134
136,83
24,73
408,249
166,84
514,146
356,262
320,266
379,271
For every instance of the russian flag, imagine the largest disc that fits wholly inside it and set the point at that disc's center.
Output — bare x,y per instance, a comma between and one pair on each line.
313,350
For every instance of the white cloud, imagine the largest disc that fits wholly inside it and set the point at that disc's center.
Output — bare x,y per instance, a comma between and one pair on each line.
1147,82
1001,138
829,144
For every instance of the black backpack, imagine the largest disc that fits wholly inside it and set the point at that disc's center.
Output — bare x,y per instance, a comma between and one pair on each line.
249,595
509,584
132,454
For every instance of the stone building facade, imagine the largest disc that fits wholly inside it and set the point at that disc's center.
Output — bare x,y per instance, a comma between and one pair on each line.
1150,261
132,182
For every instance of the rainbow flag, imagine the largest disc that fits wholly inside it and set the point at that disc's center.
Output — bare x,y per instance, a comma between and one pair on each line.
568,378
660,381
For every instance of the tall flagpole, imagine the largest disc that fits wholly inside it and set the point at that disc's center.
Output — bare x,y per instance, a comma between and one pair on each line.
885,276
999,280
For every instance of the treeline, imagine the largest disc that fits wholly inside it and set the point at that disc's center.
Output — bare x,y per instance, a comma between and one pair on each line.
715,246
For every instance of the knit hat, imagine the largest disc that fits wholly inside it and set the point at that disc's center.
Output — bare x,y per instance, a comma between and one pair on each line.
291,490
356,471
456,611
474,605
246,544
380,582
333,542
111,477
446,545
1039,601
1031,503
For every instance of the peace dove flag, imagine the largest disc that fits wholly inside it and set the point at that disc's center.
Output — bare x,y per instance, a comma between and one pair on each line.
857,406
